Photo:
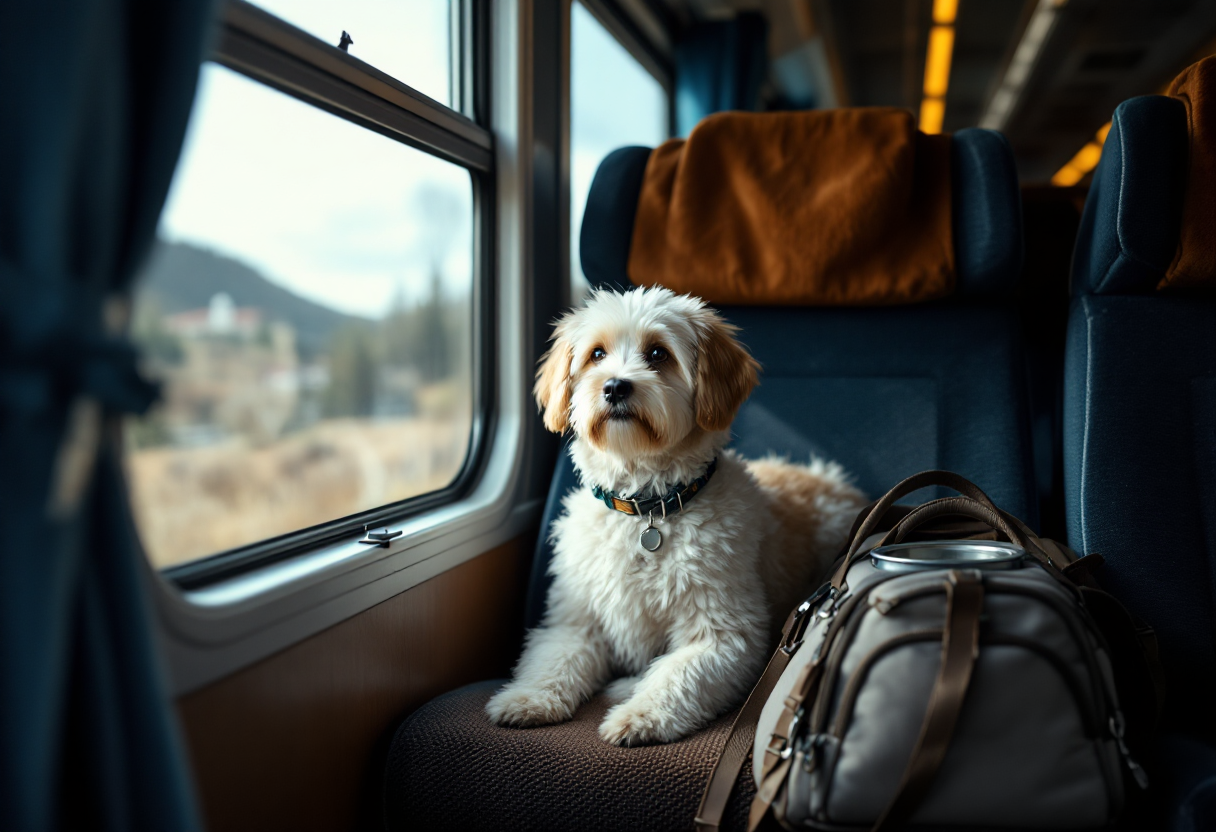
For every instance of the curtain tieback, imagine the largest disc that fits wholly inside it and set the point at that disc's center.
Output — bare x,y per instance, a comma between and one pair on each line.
56,358
54,349
104,369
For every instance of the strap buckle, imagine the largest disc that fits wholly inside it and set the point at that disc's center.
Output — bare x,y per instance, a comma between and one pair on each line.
829,608
792,639
793,636
785,744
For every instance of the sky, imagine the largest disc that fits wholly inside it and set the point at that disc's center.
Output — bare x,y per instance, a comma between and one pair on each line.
614,102
407,39
349,218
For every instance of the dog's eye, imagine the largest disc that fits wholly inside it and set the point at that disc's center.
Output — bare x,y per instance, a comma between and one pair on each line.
656,355
598,354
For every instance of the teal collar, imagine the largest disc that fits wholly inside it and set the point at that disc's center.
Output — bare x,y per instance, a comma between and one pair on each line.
670,503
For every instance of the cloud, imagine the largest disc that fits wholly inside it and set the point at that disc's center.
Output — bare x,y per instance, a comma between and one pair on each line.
347,217
328,209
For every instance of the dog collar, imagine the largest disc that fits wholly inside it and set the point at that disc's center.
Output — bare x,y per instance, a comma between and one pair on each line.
670,503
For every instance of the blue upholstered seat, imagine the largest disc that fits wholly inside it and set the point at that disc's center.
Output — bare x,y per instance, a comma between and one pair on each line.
1140,426
886,392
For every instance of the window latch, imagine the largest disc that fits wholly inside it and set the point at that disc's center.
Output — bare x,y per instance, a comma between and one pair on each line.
345,41
381,538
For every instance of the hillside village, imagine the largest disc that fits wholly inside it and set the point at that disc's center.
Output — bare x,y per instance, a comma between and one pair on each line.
278,413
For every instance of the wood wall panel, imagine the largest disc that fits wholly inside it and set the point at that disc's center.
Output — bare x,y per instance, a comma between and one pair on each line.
296,741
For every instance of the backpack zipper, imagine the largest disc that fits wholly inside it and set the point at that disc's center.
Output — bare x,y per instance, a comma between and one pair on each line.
844,713
1116,730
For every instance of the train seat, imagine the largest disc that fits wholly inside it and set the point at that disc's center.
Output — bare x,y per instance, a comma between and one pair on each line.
886,391
1140,427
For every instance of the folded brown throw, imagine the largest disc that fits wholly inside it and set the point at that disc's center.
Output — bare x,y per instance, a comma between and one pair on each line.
1194,263
821,208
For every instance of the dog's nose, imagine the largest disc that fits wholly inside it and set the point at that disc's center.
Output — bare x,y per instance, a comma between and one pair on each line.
617,390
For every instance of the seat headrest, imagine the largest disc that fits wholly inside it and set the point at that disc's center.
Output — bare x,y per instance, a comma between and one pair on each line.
1150,218
816,208
984,229
1129,228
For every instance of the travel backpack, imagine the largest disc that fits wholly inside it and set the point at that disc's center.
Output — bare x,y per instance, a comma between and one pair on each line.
950,674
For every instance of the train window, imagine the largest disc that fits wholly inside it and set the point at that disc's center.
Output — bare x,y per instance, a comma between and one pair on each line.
309,308
407,39
614,102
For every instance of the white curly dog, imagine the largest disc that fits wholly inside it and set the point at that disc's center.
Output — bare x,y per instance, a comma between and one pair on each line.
677,559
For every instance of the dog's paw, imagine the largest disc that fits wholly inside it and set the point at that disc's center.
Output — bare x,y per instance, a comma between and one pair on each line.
520,707
630,724
619,690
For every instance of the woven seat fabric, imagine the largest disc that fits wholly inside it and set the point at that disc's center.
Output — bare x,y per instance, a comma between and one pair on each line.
451,768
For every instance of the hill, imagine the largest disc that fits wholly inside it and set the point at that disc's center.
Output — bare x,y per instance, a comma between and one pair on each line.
179,277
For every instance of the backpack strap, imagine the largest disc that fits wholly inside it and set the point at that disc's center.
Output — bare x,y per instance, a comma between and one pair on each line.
871,517
743,730
960,648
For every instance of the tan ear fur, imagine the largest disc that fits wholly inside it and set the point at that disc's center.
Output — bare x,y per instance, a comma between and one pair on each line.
552,388
726,375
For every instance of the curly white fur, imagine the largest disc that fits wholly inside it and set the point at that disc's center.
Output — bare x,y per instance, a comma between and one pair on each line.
687,629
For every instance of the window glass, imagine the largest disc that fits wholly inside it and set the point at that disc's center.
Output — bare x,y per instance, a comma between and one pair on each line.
308,309
614,102
407,39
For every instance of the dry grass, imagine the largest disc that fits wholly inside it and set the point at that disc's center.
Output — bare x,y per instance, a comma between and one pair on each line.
193,502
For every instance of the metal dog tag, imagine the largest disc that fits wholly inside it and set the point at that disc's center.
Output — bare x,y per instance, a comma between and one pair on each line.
651,538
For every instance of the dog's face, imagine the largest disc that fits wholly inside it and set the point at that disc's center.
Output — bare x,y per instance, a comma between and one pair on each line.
634,374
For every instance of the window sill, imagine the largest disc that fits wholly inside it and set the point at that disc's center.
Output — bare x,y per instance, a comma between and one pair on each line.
213,631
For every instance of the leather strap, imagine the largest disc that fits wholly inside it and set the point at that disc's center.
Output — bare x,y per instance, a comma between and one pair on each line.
956,506
1061,557
743,733
960,648
875,515
767,793
775,766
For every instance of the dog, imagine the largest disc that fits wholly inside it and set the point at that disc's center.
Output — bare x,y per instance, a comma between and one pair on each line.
677,558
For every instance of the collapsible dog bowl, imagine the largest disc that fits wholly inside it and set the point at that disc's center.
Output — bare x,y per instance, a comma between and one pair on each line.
948,554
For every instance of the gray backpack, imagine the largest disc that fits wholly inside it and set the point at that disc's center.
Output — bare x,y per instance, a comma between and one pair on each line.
949,683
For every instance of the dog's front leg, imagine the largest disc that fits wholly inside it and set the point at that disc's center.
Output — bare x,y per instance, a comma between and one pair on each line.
681,691
561,667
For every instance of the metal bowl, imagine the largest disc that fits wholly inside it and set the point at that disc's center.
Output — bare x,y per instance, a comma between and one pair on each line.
948,554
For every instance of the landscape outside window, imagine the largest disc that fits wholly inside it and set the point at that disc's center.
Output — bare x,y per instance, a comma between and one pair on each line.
614,102
308,307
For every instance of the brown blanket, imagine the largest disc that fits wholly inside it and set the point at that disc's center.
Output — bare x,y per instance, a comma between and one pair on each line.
1194,263
820,208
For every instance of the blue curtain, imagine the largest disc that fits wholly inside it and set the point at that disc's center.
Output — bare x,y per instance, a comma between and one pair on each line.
720,66
96,95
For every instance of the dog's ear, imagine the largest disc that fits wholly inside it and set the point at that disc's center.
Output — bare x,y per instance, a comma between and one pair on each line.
726,374
552,388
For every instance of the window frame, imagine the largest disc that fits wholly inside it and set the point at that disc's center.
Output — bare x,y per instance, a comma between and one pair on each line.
273,52
211,633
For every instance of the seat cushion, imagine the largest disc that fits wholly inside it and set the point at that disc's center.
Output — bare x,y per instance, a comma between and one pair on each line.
890,392
1140,476
1185,770
449,767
